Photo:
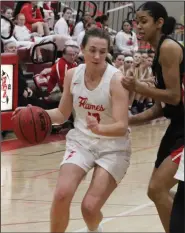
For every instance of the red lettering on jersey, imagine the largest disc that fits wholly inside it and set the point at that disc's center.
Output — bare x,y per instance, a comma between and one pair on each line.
96,115
84,104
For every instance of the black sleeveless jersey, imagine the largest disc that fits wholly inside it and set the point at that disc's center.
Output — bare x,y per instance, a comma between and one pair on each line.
175,113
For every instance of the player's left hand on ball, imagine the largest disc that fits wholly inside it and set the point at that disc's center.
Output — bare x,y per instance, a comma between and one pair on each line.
92,123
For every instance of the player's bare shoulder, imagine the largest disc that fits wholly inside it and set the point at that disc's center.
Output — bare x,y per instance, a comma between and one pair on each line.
115,84
68,77
170,50
117,76
170,44
70,72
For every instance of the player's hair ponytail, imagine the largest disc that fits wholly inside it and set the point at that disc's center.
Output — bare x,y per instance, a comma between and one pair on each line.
169,26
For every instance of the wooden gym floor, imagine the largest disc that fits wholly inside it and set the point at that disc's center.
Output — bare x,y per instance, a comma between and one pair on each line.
28,178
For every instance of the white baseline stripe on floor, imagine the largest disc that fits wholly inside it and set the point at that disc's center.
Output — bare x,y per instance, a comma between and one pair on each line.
121,214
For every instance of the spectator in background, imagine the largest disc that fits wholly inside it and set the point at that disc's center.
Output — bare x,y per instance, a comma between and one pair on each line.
149,64
5,26
143,73
82,33
8,12
137,59
21,33
50,77
143,69
144,56
102,21
65,63
80,26
119,60
151,53
48,13
128,61
10,46
133,97
62,25
18,44
25,94
75,47
34,24
126,40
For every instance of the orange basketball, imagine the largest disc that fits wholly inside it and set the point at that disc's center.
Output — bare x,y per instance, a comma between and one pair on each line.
32,125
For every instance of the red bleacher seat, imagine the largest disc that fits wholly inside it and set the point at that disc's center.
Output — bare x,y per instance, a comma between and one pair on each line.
5,4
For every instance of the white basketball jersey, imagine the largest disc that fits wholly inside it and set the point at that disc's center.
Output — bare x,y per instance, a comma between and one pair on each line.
180,171
95,103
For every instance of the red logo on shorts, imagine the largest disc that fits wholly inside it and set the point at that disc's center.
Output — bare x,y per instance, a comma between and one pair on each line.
71,154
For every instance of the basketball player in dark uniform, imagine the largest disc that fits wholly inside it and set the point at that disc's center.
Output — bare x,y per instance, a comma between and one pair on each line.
154,26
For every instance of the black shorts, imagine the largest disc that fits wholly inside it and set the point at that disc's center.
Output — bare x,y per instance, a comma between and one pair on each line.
172,140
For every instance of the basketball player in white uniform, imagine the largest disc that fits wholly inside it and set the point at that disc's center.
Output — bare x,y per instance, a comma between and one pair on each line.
100,138
177,214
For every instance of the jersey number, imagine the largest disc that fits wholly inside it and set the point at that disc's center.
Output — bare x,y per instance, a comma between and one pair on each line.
96,115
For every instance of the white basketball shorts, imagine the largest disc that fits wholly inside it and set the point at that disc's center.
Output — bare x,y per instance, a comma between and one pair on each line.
86,152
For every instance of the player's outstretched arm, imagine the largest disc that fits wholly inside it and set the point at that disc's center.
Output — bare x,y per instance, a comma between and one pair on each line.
62,113
150,114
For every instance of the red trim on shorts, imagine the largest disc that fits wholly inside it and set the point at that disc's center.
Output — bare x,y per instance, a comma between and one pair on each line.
71,154
176,155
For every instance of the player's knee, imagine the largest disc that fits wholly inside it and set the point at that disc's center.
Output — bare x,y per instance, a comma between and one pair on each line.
154,191
89,206
63,195
39,24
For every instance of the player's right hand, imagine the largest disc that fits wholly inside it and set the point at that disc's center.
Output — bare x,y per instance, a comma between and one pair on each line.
18,110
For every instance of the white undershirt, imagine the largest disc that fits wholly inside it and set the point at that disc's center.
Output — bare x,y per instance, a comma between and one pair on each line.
22,33
78,28
61,27
80,38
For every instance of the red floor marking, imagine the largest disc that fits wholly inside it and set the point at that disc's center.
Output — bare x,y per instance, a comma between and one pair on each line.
43,174
37,201
56,170
29,202
40,170
20,223
32,178
50,201
145,148
17,144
